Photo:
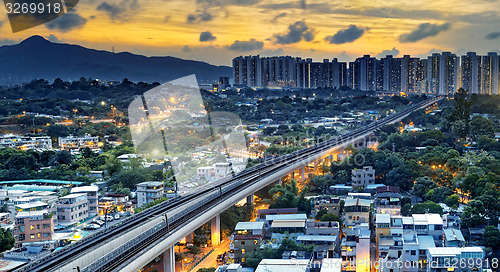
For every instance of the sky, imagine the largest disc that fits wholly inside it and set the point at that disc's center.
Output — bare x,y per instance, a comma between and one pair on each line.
216,31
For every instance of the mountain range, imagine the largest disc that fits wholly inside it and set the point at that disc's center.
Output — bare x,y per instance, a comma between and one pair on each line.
36,57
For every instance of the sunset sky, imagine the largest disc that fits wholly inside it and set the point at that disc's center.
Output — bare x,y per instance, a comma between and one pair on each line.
218,30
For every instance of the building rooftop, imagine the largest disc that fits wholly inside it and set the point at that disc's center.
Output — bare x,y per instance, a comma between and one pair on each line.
317,238
453,235
46,181
407,220
150,183
297,216
276,211
382,218
282,265
31,213
31,205
357,202
288,224
84,189
426,242
249,226
452,251
32,188
73,196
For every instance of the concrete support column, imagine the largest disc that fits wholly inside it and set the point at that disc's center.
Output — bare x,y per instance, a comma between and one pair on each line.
169,260
189,238
302,174
316,164
215,230
250,199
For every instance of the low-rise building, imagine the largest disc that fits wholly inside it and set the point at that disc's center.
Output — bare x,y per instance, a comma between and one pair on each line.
72,209
148,192
388,202
33,226
261,213
363,177
330,204
92,197
453,238
77,142
356,211
443,259
246,239
25,142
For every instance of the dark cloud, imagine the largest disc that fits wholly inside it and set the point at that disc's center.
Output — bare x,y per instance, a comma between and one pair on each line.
296,32
186,48
53,38
244,46
275,19
492,36
167,18
303,4
393,52
347,35
200,17
207,36
228,2
423,31
122,11
207,8
67,22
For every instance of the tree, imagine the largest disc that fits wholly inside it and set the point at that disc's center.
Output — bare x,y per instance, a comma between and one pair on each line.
426,207
422,186
330,217
406,209
473,214
6,240
285,196
491,208
491,237
452,200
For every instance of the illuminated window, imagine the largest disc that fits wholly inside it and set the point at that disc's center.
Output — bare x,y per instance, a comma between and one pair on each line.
32,227
243,251
254,242
38,235
32,236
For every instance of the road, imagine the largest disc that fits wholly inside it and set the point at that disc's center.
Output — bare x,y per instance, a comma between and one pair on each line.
211,260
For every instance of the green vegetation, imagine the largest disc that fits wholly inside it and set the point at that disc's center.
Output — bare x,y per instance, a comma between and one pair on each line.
6,240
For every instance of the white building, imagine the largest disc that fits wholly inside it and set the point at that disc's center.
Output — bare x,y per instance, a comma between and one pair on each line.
76,142
25,142
216,171
92,195
363,177
443,258
149,192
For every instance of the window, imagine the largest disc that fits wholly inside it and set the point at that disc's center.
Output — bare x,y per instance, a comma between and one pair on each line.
37,226
38,234
32,227
254,242
242,242
243,251
32,236
413,252
22,237
46,235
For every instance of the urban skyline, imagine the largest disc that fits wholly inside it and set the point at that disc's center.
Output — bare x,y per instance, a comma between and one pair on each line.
440,73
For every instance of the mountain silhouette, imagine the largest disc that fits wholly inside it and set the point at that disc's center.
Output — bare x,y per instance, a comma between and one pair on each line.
37,57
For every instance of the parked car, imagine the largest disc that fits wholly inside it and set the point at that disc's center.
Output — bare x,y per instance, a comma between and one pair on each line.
99,222
220,258
117,216
92,226
108,218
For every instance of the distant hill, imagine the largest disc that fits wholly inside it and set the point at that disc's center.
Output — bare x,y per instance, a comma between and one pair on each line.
37,57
